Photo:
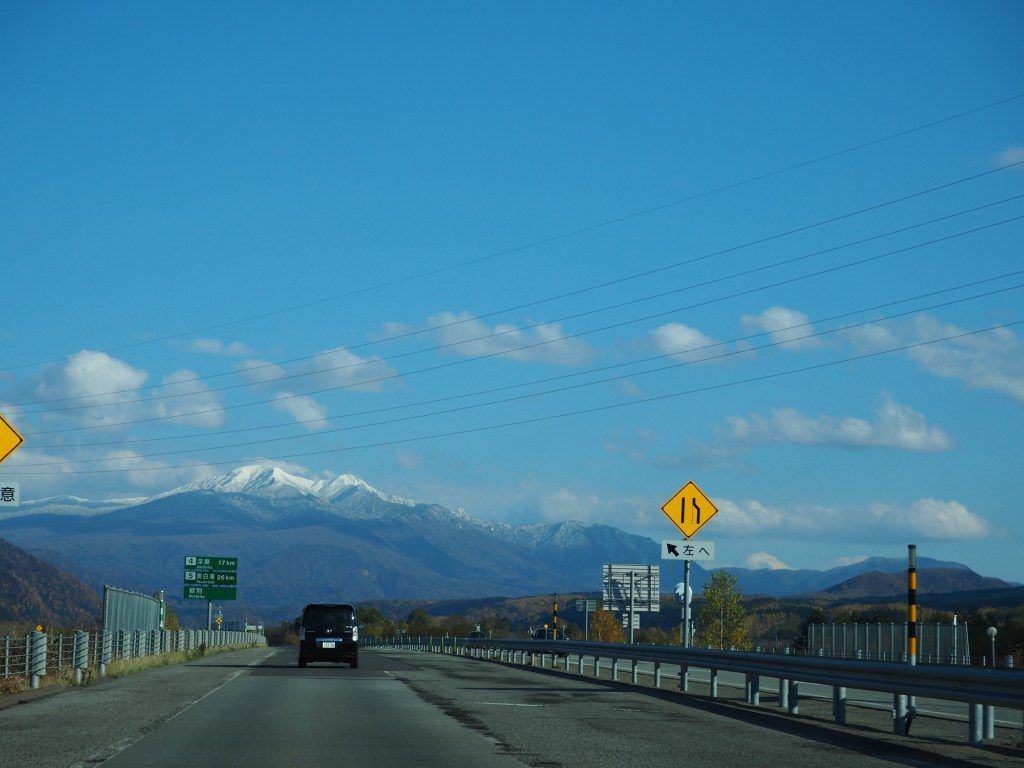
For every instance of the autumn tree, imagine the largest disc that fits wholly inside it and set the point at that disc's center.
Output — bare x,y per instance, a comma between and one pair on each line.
721,617
605,628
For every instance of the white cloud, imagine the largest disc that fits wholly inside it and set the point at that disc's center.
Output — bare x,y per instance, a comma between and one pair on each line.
1012,154
685,342
82,383
218,347
779,322
301,408
895,426
993,360
759,560
552,347
197,398
334,368
924,518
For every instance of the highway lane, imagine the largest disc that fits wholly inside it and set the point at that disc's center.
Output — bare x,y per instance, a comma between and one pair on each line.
278,715
416,709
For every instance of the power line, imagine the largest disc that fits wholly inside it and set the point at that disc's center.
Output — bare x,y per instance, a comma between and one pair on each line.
549,417
548,379
558,390
545,240
494,334
787,281
532,303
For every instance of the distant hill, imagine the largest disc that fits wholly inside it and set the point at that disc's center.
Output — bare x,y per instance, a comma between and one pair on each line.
877,584
300,540
33,591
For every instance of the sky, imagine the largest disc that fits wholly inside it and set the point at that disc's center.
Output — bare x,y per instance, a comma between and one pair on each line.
423,182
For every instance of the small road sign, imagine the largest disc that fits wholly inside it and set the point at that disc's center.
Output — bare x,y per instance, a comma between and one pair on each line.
689,509
702,551
10,494
9,439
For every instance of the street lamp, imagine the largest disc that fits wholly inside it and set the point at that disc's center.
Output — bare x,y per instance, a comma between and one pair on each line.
991,632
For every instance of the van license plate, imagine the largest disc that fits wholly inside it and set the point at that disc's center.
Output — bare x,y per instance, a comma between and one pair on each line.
327,645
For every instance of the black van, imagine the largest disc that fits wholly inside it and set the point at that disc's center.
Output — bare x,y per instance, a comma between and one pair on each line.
329,632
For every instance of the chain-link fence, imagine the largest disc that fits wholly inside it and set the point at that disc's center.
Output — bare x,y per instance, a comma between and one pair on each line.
937,643
36,654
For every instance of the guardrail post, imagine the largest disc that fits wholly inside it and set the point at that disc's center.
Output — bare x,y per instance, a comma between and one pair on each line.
793,698
989,720
81,657
899,713
684,677
839,704
657,674
106,651
615,669
38,656
579,660
633,673
784,692
754,689
714,683
565,667
974,725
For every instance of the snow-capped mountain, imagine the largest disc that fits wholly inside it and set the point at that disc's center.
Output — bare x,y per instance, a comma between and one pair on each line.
273,482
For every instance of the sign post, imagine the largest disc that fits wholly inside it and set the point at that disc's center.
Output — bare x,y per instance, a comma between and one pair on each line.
689,509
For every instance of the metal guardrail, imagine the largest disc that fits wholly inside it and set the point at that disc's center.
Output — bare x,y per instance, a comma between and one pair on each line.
981,689
37,654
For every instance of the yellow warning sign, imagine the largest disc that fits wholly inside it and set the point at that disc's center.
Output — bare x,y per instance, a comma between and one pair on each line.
9,439
689,509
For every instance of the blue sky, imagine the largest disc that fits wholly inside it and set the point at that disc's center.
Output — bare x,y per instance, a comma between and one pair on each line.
167,169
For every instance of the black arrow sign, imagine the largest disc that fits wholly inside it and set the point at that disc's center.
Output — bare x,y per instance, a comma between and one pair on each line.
672,549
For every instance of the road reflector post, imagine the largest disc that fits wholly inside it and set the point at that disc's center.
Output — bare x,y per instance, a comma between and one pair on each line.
38,658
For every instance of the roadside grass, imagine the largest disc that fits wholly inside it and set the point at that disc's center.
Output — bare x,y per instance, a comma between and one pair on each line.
118,668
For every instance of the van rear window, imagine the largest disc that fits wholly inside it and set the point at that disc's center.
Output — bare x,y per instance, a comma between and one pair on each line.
329,617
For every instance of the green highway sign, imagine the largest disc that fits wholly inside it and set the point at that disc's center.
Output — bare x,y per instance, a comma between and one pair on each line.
210,578
207,563
207,592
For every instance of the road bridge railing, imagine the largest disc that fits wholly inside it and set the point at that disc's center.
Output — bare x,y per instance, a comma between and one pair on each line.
981,689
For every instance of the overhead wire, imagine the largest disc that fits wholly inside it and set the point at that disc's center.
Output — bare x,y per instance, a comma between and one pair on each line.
544,418
435,328
558,390
506,332
560,377
545,240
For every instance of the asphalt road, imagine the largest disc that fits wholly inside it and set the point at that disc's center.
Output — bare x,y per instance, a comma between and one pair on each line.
257,708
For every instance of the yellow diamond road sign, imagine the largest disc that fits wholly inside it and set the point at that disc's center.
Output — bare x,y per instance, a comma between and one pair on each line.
689,509
9,439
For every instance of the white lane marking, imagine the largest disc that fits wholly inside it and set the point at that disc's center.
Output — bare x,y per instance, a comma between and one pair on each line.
103,755
506,704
